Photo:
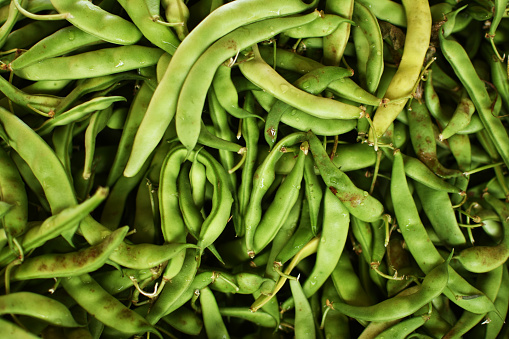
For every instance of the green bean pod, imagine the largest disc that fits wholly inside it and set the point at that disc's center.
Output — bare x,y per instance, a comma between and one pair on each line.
403,329
37,306
273,218
109,310
59,43
70,264
358,202
12,193
163,105
402,305
304,324
96,21
92,64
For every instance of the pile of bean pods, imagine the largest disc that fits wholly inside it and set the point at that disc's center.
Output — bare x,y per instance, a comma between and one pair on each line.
254,168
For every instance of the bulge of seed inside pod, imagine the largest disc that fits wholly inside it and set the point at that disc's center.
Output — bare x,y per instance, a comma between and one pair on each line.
284,88
71,36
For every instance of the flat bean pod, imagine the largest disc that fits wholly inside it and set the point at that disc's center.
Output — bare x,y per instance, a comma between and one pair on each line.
92,64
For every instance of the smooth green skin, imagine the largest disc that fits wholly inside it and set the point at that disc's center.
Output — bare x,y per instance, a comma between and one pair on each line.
31,33
421,247
304,323
198,179
206,138
222,200
347,283
103,306
96,21
261,74
262,180
70,264
358,202
351,157
334,44
13,193
438,208
245,282
345,87
336,219
61,42
176,288
191,214
321,27
460,119
134,117
205,72
97,123
278,211
212,319
402,329
464,70
259,318
314,193
314,82
229,99
402,305
368,24
163,105
77,113
92,64
116,281
62,143
37,306
432,101
336,325
13,331
161,36
172,224
41,159
387,10
185,321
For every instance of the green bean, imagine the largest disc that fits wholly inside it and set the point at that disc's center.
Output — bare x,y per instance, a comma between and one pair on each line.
214,325
96,21
494,327
439,210
164,103
358,202
15,331
388,11
335,43
77,113
12,193
402,305
304,325
175,288
422,249
273,219
37,306
63,41
13,15
463,68
314,193
371,30
69,264
257,71
406,77
177,13
110,311
185,321
404,328
262,180
321,27
92,64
